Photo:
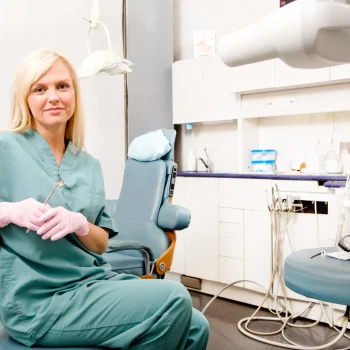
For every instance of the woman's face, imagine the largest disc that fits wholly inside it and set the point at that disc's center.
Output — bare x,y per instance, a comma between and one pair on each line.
52,98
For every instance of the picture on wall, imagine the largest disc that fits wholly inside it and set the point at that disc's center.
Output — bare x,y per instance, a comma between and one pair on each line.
204,43
285,2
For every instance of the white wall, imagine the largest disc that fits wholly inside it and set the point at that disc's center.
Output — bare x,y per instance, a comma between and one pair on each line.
26,26
221,16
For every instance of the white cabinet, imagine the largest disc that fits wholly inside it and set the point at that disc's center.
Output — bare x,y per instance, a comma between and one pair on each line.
288,76
230,238
197,247
303,232
218,102
231,245
187,91
231,270
202,236
201,93
257,248
244,193
251,77
340,72
310,100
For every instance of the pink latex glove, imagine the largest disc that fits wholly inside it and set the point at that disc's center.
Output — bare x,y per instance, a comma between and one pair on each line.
59,222
24,214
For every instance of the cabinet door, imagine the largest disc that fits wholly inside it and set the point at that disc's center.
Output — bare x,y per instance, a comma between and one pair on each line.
251,77
319,99
303,233
202,236
218,102
244,193
179,198
340,72
288,76
187,91
257,248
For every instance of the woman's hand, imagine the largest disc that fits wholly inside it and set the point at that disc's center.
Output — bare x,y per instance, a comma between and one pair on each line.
59,222
24,214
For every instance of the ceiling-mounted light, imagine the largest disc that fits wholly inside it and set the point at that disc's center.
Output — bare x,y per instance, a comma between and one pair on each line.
102,61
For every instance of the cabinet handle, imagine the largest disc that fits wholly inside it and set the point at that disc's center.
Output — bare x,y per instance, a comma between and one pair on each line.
282,103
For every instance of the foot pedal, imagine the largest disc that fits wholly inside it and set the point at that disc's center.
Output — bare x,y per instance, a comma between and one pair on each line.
191,282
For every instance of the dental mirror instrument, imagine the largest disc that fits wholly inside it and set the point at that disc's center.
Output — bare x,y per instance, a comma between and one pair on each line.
59,184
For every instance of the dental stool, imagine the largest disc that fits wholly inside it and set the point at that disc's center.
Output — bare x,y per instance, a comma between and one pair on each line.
327,279
145,218
146,222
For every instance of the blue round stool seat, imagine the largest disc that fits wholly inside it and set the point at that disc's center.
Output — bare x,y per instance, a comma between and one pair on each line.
321,278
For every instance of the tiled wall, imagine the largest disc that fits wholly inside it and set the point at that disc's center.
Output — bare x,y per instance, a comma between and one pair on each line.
296,136
220,140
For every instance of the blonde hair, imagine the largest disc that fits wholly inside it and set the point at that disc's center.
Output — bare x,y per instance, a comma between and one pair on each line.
32,69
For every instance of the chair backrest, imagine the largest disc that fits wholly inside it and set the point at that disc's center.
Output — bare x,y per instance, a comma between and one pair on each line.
146,185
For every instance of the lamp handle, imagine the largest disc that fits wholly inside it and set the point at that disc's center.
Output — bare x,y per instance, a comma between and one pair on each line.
107,34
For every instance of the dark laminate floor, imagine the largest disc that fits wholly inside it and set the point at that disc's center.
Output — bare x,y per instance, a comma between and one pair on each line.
223,316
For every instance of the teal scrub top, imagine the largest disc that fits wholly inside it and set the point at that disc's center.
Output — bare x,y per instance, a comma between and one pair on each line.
38,277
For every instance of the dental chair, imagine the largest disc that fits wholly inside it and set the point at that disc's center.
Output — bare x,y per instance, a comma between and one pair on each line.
145,218
146,222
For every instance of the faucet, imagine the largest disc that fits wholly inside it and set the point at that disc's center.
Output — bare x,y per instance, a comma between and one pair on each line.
208,164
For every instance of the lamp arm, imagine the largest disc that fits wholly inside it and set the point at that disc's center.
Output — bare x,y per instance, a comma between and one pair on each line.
107,34
95,14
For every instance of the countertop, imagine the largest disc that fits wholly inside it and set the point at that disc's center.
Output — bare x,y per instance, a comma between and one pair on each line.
299,177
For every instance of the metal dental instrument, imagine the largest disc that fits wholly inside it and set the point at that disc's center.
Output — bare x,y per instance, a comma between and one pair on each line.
59,184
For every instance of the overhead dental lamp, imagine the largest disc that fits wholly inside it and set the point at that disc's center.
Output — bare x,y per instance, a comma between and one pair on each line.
102,61
304,34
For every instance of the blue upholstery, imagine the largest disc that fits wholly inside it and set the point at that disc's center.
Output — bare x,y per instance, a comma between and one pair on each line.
325,279
139,203
173,217
136,214
143,212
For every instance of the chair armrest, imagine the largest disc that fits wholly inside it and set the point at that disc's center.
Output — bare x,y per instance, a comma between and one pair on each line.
117,245
173,217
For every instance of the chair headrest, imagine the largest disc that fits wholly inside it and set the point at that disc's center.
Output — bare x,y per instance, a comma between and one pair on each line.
170,134
153,146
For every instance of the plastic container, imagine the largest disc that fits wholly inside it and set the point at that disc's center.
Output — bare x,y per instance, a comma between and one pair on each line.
263,154
263,166
333,163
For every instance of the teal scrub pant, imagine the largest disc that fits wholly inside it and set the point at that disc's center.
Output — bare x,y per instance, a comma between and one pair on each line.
125,312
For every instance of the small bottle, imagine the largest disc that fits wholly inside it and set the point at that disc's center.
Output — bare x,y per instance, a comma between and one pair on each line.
192,160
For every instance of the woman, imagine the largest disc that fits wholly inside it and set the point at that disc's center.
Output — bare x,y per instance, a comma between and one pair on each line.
56,288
